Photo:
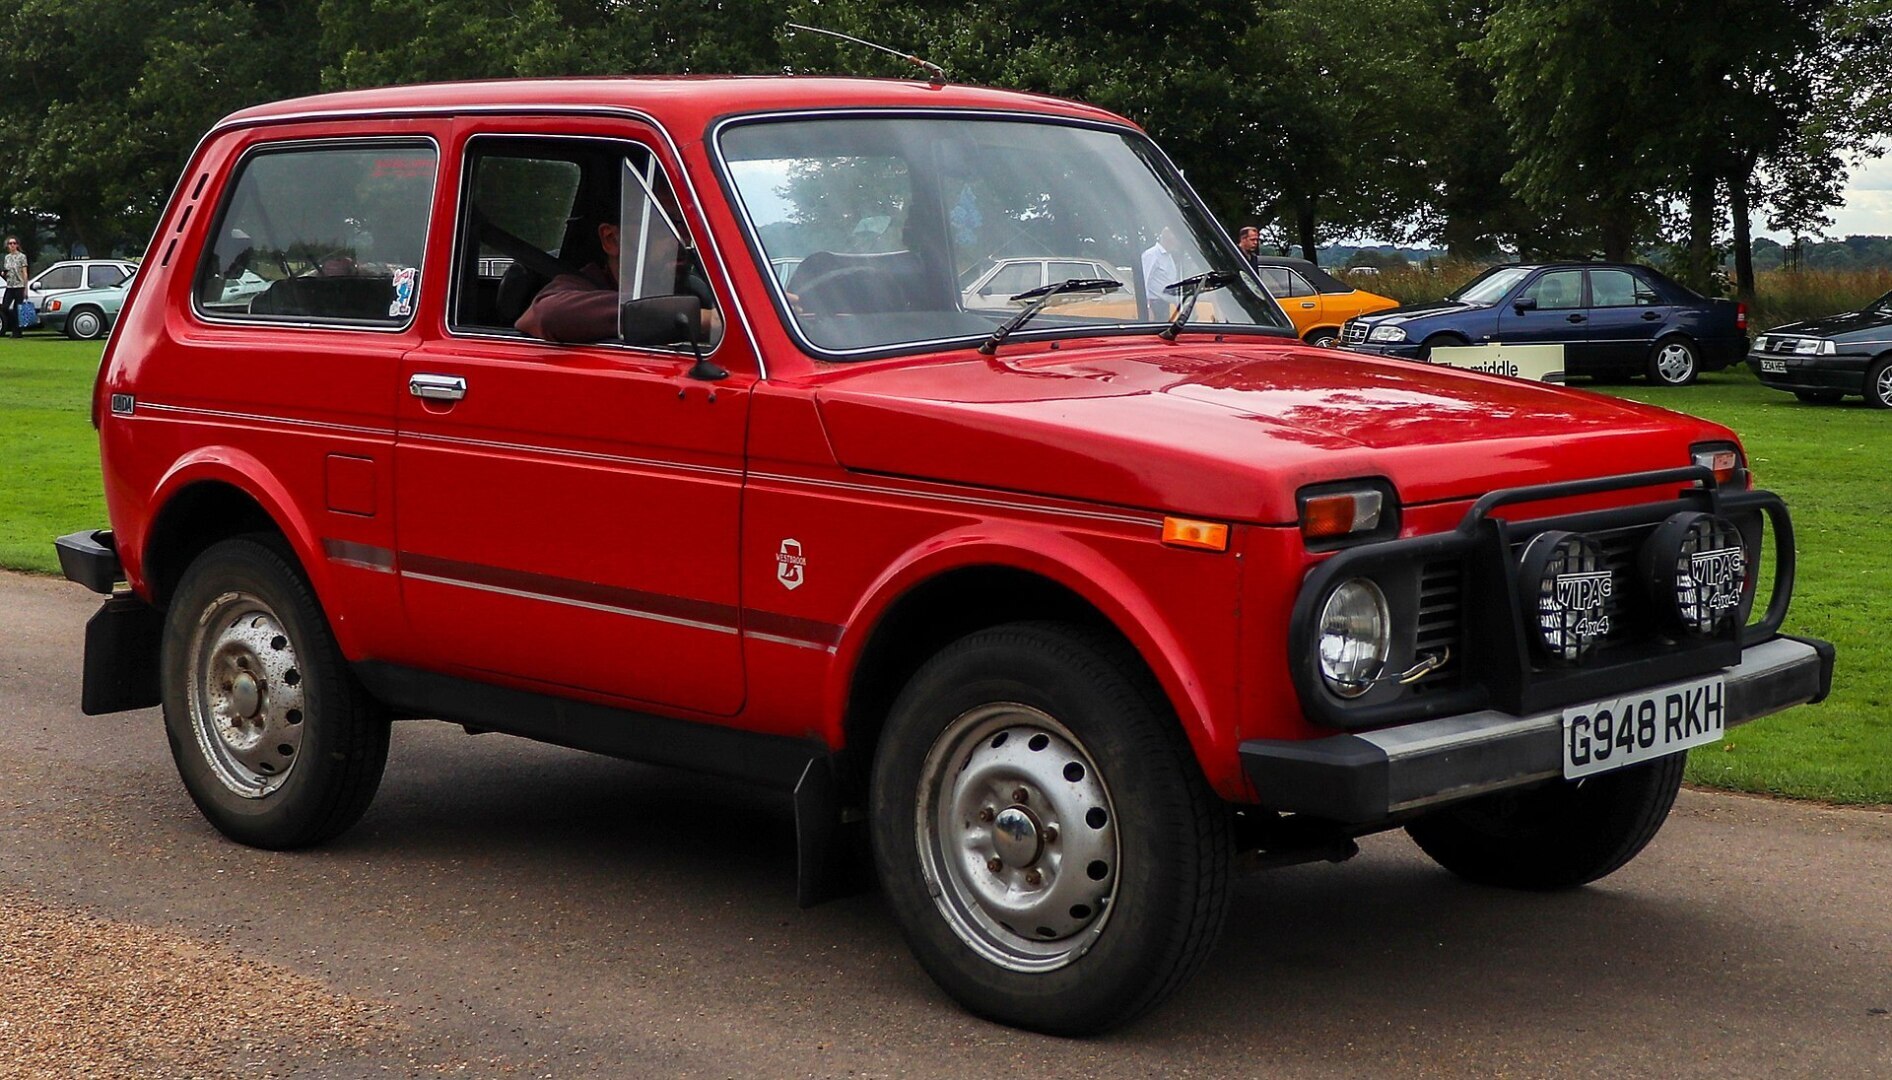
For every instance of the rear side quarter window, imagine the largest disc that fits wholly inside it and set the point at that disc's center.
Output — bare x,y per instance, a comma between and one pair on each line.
325,234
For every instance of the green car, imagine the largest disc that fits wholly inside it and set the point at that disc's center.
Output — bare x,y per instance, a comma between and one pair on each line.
85,314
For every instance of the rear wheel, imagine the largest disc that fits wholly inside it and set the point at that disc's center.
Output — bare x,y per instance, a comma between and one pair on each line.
85,324
1323,337
1557,836
276,742
1879,385
1675,362
1043,832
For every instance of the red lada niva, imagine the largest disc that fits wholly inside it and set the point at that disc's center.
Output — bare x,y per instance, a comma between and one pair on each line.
650,417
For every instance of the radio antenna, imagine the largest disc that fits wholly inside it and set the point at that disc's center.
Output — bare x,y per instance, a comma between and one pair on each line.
935,74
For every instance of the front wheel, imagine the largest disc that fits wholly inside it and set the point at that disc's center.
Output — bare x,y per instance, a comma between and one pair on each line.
1558,836
1441,341
276,742
1879,385
85,324
1674,362
1043,832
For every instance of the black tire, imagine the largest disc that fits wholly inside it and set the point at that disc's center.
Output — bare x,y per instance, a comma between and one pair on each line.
85,324
1449,341
1084,700
243,609
1879,385
1819,397
1674,361
1323,337
1558,836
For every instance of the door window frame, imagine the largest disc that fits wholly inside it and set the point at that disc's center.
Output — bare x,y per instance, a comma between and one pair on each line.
469,155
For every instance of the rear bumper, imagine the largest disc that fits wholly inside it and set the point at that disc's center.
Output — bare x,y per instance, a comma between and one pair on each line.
1373,776
91,559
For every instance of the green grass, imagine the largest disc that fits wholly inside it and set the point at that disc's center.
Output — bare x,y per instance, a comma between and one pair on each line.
49,454
1829,462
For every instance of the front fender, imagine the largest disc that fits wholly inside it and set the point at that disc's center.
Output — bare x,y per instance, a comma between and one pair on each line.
1168,643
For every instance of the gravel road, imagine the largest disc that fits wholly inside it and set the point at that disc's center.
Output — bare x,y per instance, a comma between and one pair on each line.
507,909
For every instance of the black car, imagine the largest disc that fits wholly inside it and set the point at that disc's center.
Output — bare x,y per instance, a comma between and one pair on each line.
1613,319
1826,359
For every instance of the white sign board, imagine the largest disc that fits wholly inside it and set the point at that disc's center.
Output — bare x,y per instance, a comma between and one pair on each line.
1538,363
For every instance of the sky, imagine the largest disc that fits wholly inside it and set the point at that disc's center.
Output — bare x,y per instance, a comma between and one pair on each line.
1868,208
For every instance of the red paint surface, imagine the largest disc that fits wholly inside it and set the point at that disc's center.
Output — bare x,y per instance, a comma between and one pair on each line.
608,470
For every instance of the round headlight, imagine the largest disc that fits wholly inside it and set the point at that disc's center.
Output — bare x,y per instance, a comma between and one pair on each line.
1566,590
1355,637
1695,567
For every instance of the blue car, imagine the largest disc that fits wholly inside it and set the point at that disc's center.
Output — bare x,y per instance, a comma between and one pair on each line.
1613,320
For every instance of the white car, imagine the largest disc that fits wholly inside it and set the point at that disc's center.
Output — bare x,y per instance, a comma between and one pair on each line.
73,274
993,289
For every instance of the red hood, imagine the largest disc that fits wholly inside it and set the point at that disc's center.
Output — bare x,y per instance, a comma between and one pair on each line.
1232,431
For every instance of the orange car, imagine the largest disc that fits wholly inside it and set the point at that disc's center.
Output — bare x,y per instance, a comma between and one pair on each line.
1317,302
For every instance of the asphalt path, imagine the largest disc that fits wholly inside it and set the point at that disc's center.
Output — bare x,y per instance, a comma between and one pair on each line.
524,910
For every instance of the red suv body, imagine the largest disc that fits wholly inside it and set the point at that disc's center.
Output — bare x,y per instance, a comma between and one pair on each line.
1063,616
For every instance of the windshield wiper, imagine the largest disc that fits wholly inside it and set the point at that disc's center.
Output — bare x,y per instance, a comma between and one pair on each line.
1193,286
1039,297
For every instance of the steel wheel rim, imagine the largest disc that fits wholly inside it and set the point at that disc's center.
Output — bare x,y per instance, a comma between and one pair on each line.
1882,386
1027,883
1674,363
246,695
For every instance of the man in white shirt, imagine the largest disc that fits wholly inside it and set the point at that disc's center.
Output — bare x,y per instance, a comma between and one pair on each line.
1159,272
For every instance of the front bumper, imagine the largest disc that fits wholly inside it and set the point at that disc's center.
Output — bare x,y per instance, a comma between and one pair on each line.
1374,776
1841,373
1404,350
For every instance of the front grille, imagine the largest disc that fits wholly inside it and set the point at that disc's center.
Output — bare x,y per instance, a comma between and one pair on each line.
1353,332
1441,589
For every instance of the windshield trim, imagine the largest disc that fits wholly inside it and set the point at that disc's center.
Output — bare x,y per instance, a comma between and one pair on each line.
713,139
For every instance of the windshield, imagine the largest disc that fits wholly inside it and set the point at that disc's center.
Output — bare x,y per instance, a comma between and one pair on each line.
1489,287
888,234
1882,304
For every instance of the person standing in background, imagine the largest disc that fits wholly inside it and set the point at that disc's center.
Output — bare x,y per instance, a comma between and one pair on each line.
1249,240
1159,270
14,271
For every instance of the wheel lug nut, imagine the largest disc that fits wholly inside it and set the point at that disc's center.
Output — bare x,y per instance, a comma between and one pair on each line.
986,813
1020,795
993,864
1034,878
1051,834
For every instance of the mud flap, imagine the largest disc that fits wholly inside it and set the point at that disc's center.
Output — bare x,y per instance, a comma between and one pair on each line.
831,859
121,657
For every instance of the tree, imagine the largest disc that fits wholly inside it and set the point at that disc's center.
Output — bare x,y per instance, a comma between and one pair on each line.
105,98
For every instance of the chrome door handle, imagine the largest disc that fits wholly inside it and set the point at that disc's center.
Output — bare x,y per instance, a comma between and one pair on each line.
1307,304
437,387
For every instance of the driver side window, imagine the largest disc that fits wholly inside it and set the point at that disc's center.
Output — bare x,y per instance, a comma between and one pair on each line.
557,235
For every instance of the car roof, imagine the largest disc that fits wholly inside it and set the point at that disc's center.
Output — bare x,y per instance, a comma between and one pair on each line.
685,103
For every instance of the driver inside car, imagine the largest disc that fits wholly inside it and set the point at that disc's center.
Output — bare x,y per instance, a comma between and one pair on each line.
584,306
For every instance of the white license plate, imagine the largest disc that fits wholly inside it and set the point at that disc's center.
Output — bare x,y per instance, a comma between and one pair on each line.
1641,727
1774,367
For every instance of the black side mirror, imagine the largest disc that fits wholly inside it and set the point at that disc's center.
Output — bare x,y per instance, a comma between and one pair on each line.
1528,303
668,320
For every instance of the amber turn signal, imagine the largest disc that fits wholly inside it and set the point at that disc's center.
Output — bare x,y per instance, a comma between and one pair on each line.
1205,535
1329,517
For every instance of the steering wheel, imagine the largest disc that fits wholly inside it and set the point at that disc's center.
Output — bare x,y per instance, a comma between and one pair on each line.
811,292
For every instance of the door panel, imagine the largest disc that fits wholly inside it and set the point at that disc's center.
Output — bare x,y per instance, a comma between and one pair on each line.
569,514
1560,317
573,519
1626,314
